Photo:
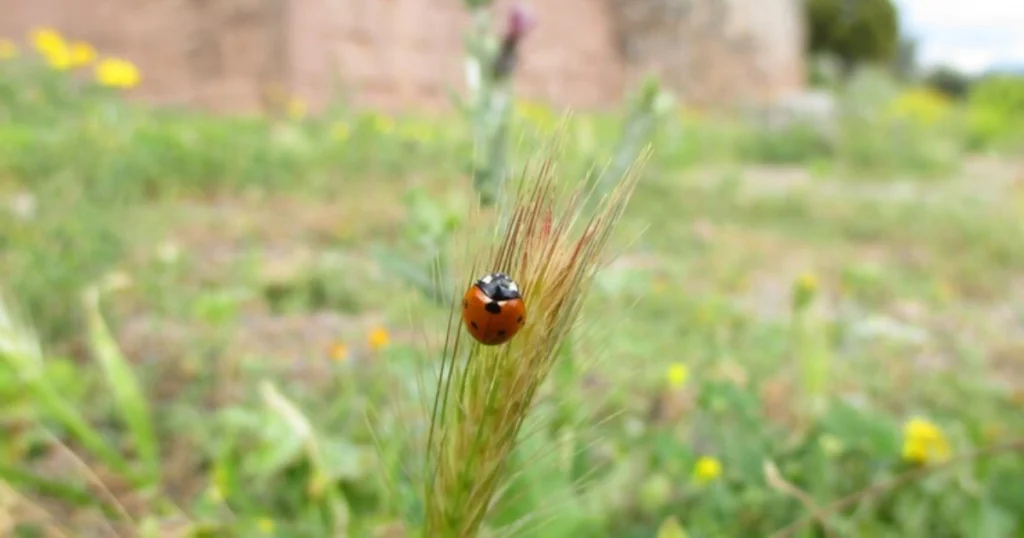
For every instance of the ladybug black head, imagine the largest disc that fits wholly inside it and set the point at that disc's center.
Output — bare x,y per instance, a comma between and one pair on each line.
499,287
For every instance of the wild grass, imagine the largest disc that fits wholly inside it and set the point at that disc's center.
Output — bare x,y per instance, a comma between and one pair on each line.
485,393
816,335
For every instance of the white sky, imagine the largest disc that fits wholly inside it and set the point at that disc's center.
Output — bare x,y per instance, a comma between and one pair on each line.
971,35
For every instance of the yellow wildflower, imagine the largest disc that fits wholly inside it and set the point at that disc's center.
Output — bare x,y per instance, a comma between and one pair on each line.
59,58
47,40
340,131
925,106
339,352
378,338
804,289
419,132
82,53
677,374
706,469
266,525
383,123
214,493
117,73
924,442
297,108
536,114
7,49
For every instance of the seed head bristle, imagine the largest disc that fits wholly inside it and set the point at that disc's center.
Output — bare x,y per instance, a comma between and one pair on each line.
485,393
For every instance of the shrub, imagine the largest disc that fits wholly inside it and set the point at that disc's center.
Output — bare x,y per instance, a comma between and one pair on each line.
949,81
861,31
996,111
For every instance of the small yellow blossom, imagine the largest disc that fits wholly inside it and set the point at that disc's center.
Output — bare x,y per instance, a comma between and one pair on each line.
924,106
47,40
706,469
924,442
418,132
804,289
82,53
383,123
536,114
117,73
266,525
59,58
214,493
378,338
340,131
339,352
297,108
8,49
677,375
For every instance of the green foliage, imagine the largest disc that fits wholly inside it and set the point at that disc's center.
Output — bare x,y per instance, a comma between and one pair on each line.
996,105
949,81
856,31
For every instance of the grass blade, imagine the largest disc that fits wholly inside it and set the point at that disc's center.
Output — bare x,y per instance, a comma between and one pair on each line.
128,396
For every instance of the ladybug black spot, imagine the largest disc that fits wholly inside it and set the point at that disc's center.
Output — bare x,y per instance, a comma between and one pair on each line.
519,320
473,323
501,333
493,308
465,303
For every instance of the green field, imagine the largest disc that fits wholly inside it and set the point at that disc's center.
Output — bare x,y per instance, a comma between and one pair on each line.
223,326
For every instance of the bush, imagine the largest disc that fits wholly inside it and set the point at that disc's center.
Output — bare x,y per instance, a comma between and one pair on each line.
861,31
949,81
996,112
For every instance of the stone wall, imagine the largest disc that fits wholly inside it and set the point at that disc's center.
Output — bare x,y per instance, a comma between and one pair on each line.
715,51
234,55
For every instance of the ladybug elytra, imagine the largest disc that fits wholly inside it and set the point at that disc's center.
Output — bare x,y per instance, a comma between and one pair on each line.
493,309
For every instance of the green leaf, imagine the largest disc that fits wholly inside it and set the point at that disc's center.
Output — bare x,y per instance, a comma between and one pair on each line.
127,395
27,481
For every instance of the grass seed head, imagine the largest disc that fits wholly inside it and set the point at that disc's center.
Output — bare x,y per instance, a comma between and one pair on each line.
553,246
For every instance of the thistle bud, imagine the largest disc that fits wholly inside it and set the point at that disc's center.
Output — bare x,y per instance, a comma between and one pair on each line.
520,22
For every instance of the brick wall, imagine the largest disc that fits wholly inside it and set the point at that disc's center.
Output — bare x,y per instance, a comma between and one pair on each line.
229,54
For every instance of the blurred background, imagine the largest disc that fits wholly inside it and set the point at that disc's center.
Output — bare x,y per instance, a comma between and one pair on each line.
220,221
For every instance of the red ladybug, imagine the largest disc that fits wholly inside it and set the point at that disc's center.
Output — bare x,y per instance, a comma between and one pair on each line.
493,310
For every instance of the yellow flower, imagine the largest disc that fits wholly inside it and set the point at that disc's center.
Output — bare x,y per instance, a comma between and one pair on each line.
677,374
536,114
266,525
925,106
340,131
7,49
117,73
383,123
706,469
804,289
339,352
214,494
416,131
378,338
59,58
47,40
297,108
82,53
924,442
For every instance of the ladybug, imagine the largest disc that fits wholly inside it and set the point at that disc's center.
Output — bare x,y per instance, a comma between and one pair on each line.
493,310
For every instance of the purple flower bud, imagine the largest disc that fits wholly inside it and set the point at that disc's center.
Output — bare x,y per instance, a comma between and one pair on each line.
520,22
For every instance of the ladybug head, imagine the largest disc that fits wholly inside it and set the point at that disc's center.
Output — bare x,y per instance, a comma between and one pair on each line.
498,286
